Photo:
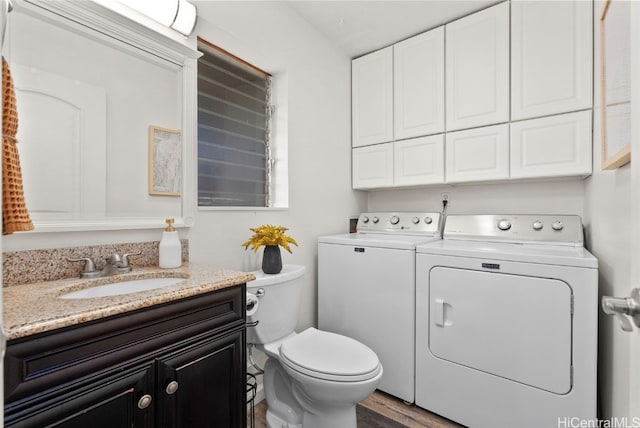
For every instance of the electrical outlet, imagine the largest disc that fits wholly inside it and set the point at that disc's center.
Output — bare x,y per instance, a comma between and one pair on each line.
445,196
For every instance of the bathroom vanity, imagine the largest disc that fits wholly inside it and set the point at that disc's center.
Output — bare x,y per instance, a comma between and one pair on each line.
170,357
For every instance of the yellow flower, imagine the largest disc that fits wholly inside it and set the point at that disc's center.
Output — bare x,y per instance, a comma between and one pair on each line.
268,234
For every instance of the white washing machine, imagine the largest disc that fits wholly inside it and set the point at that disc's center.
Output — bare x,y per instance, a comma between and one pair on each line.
366,289
506,322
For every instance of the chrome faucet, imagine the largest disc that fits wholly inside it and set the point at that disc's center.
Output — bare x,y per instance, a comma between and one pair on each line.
115,264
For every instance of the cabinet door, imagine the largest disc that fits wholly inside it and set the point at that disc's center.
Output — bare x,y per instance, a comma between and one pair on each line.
210,381
372,98
552,146
478,154
373,166
477,51
419,161
418,87
551,57
106,403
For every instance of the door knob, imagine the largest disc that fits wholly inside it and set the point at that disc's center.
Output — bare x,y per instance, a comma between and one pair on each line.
624,308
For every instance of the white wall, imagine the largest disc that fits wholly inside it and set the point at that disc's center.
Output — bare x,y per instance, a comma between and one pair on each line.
607,203
607,227
317,78
546,197
608,222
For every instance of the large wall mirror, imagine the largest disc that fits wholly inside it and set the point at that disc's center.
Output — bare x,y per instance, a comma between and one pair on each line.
89,85
615,83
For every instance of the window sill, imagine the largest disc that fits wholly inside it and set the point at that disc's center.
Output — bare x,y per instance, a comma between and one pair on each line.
204,209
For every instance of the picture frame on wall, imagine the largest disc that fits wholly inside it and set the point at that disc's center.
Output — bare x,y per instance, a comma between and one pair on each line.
615,84
165,161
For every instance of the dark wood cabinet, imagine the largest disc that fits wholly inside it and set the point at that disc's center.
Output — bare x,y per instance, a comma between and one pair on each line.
206,391
179,365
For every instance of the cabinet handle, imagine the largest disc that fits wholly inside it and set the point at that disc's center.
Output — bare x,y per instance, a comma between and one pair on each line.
172,387
144,401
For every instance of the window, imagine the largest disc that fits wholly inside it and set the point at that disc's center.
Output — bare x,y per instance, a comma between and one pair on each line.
234,116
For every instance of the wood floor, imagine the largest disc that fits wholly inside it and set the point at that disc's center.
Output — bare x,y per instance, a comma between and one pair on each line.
380,410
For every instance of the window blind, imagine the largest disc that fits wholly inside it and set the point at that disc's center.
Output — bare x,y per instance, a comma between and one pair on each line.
233,131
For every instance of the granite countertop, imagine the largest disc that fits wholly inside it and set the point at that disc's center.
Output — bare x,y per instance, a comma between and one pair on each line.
36,308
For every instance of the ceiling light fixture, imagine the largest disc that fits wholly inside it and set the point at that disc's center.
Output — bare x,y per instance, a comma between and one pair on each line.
179,15
186,18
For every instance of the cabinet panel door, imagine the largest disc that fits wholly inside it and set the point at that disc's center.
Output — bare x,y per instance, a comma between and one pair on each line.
373,166
372,98
478,154
477,52
551,57
210,378
419,161
552,146
106,403
418,89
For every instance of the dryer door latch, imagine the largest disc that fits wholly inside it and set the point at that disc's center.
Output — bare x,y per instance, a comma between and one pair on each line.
624,308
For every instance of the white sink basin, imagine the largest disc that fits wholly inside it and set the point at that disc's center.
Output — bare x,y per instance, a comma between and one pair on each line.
123,287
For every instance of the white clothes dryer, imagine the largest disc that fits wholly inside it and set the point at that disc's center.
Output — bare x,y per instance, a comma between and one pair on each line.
506,322
366,289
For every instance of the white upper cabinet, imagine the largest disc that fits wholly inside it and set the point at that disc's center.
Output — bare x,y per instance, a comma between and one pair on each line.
551,57
477,69
478,154
553,146
372,166
504,93
419,85
372,98
419,161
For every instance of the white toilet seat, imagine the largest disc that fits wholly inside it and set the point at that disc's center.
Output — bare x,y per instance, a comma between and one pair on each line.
329,356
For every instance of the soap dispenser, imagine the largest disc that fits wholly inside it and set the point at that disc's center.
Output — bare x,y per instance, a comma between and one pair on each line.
170,249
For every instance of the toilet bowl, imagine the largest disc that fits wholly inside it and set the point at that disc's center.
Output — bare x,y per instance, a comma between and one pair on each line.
312,379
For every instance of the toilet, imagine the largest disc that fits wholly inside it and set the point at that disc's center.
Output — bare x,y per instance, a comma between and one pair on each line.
312,379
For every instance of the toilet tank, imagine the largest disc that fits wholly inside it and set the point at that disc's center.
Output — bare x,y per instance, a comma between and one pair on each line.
278,304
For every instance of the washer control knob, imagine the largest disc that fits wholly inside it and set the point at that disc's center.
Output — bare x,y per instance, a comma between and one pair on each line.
557,225
415,220
375,220
428,220
365,219
537,225
395,219
504,224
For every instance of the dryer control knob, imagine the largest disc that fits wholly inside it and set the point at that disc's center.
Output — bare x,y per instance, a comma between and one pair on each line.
537,225
394,219
558,226
415,220
376,220
428,220
365,219
504,225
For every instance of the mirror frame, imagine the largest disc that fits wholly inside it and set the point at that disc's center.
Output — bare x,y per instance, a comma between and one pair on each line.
109,20
623,156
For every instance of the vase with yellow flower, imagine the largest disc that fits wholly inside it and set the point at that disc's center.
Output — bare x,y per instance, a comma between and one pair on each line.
271,238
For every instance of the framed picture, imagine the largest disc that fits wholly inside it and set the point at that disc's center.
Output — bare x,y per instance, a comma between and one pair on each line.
615,84
165,161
